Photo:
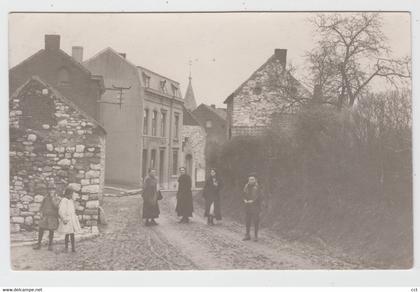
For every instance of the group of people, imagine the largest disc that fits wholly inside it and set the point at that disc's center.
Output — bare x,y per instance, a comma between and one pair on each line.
152,194
58,213
252,197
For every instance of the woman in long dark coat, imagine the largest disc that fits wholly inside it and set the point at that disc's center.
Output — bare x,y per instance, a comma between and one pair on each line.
184,205
150,199
211,195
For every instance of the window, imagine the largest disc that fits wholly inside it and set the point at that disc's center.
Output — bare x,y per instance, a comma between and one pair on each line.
153,158
163,86
208,124
63,77
161,165
163,124
154,123
176,136
145,121
175,91
175,162
146,79
144,163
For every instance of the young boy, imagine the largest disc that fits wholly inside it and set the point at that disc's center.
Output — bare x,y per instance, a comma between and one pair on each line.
252,199
49,219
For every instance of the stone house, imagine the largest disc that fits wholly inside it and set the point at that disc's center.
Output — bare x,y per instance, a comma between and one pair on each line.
271,94
142,112
62,71
53,143
193,148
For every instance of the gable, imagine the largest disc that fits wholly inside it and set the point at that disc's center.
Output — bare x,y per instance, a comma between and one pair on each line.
189,118
273,68
48,64
36,98
206,110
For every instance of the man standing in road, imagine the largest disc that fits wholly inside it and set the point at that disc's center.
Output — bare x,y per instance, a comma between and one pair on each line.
184,205
252,199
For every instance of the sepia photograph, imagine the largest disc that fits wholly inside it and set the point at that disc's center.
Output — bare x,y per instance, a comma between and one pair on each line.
210,141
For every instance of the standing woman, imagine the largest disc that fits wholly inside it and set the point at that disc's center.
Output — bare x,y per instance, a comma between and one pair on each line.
184,205
151,195
69,223
211,195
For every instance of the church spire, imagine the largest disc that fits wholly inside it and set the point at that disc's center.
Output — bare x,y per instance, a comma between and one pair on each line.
189,99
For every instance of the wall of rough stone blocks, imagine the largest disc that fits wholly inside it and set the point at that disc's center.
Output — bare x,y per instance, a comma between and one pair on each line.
263,95
67,150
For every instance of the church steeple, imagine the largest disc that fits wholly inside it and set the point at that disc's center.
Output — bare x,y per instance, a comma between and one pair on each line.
189,99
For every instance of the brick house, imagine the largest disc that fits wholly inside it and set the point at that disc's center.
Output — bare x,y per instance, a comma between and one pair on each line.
63,72
270,95
146,115
53,143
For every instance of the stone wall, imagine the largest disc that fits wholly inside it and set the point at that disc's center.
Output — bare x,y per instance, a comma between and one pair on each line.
195,144
268,91
52,145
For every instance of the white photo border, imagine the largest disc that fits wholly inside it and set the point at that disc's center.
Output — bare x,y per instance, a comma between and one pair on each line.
10,278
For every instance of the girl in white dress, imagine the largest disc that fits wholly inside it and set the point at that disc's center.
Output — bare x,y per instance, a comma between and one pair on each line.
69,223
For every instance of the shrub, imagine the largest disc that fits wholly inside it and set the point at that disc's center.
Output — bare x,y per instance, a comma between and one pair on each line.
343,178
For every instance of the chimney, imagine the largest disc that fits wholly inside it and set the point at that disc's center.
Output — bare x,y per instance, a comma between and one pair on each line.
281,55
213,106
52,42
122,55
77,53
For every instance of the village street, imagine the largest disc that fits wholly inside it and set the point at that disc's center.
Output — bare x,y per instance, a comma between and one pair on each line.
126,244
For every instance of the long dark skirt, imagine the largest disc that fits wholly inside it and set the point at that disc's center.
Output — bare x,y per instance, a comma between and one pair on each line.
150,210
217,207
184,204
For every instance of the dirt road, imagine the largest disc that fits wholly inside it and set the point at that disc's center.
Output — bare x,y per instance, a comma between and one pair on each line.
126,244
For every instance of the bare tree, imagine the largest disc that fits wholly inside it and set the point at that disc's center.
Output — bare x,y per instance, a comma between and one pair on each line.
350,53
287,93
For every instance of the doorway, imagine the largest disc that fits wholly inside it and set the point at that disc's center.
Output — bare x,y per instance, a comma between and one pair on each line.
188,164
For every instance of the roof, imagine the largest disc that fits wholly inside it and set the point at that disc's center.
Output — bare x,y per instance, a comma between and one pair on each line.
58,95
253,75
189,99
219,112
65,55
155,78
189,119
97,78
159,83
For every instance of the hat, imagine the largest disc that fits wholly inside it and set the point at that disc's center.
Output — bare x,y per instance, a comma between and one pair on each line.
254,174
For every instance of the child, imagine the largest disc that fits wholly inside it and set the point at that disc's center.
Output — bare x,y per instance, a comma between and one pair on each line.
49,219
69,223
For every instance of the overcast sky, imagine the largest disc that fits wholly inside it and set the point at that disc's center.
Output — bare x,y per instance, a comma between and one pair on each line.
225,48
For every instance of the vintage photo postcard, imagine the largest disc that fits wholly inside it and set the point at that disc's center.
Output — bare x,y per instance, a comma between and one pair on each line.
210,141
